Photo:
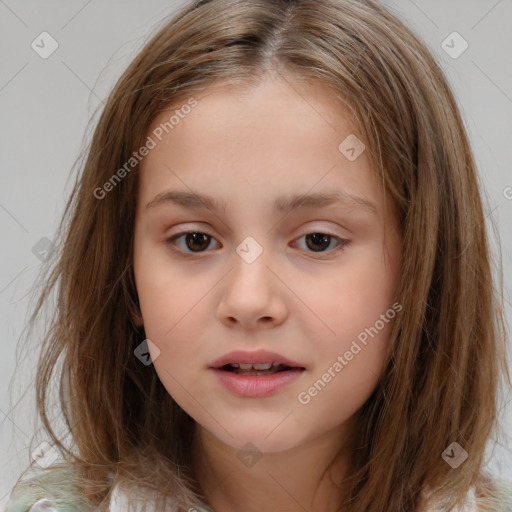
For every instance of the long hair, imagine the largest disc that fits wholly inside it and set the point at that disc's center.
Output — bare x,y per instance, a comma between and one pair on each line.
440,383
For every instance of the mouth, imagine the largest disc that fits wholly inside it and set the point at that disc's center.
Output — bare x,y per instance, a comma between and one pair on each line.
261,362
257,369
256,380
256,374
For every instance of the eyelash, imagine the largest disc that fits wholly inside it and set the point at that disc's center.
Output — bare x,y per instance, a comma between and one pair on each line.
342,242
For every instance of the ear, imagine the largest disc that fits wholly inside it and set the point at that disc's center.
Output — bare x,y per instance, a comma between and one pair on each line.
137,319
136,315
134,308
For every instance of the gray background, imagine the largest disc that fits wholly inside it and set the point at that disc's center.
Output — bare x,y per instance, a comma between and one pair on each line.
46,104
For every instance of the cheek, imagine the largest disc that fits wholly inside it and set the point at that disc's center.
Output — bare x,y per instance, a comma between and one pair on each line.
171,302
354,299
347,367
170,321
162,291
170,324
161,306
357,308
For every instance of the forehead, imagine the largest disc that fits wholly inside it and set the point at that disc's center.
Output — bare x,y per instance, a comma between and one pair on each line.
275,137
273,98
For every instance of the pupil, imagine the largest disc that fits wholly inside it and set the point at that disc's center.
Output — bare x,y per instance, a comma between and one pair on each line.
318,238
197,238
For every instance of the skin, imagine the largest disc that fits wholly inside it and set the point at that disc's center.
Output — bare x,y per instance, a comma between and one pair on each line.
247,148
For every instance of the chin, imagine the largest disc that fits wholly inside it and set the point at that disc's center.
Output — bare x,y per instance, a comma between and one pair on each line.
265,439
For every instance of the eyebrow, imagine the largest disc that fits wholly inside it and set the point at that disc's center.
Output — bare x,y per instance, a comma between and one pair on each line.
282,205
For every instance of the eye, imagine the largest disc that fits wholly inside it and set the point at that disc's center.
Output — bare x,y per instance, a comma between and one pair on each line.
318,241
198,241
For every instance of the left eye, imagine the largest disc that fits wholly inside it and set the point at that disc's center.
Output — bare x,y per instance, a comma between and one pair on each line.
198,241
323,240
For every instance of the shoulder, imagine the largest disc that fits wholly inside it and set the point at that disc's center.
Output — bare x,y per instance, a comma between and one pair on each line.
495,496
55,490
498,499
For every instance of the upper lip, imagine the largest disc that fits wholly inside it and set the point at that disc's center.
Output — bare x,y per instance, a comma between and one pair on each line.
258,357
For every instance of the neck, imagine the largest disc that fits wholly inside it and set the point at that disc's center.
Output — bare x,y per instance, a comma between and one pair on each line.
301,477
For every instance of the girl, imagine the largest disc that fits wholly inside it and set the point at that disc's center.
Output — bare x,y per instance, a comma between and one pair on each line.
274,284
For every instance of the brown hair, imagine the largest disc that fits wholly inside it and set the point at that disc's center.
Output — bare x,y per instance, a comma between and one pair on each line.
441,381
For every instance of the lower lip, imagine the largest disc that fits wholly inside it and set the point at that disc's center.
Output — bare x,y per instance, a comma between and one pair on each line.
254,386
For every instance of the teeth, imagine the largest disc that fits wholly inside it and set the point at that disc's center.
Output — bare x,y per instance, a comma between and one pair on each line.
248,366
262,366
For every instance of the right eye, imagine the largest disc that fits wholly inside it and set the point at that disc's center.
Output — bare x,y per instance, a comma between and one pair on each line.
196,240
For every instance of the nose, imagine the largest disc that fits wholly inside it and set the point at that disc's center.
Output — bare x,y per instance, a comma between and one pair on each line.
253,296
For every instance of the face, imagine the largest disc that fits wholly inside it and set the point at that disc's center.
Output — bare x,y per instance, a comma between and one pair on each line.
314,284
